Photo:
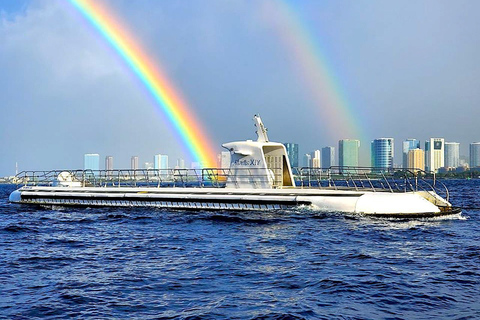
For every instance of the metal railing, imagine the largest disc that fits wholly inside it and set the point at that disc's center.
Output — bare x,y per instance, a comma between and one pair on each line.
338,178
125,178
370,178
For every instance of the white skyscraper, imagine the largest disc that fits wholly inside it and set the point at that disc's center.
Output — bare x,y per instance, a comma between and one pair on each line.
434,154
452,154
316,159
307,160
134,163
109,166
108,163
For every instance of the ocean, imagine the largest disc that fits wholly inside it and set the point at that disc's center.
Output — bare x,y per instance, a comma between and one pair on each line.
136,263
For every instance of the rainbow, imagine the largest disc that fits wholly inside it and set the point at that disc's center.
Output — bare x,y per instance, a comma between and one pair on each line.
190,132
335,112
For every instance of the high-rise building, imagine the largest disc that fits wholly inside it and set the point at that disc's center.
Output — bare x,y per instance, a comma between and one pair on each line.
316,160
382,153
180,163
134,163
307,160
409,144
108,163
160,162
475,155
434,154
328,157
292,152
452,154
348,150
416,159
91,161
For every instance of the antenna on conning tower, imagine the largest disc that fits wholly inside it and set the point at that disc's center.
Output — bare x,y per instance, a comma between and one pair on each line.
261,130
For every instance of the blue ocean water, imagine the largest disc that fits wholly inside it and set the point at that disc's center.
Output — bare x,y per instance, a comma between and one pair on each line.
111,263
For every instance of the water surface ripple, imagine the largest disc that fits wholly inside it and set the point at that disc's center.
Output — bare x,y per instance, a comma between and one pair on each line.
138,263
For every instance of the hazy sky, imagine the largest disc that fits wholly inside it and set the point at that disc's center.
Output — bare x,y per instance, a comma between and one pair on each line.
406,69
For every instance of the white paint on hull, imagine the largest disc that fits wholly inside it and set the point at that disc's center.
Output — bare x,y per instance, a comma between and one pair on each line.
362,202
392,203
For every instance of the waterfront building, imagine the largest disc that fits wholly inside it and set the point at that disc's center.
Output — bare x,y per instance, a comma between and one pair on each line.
408,145
348,150
292,152
307,160
416,159
328,157
91,161
434,154
382,153
134,163
160,162
180,164
108,163
475,155
452,154
316,160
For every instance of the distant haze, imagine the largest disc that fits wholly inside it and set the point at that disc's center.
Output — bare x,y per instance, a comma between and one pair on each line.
409,69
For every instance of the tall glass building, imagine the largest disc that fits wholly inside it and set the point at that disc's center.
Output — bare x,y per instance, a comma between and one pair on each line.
348,150
409,144
160,161
292,152
382,153
91,161
328,157
180,163
452,154
475,155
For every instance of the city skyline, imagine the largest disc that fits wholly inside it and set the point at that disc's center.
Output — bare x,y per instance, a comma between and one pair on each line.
316,158
437,153
230,61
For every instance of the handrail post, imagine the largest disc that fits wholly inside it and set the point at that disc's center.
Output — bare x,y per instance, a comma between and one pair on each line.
386,180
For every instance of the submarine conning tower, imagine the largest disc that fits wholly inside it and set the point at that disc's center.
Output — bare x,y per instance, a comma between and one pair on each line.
259,164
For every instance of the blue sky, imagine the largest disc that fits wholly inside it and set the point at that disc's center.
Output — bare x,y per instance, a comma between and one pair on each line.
410,69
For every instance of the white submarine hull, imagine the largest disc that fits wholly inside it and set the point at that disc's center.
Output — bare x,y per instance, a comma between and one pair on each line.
360,202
